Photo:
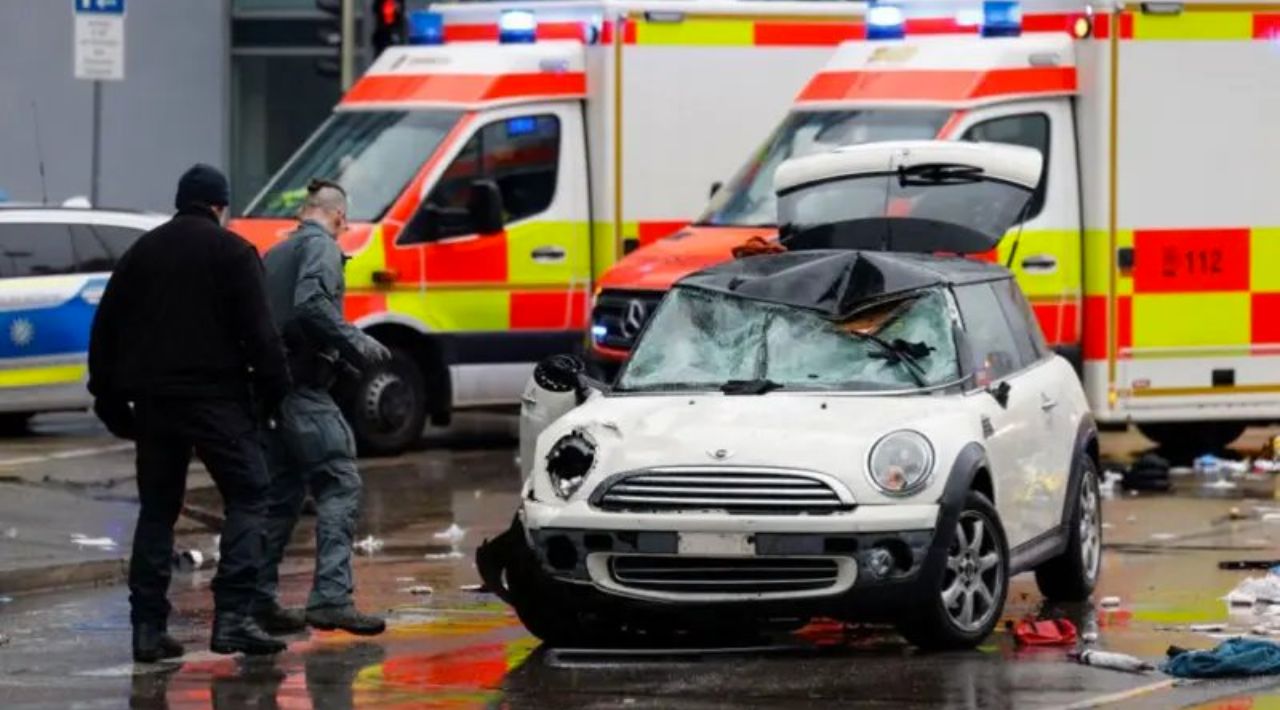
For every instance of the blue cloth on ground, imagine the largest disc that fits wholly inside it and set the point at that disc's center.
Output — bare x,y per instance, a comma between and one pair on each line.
1233,658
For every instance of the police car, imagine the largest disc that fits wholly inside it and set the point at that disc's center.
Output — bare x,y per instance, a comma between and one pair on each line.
54,265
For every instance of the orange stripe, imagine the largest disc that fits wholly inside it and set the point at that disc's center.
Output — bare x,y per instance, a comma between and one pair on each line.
1190,260
1264,313
358,305
1058,322
1266,25
937,84
464,88
1095,327
772,33
544,310
647,232
480,32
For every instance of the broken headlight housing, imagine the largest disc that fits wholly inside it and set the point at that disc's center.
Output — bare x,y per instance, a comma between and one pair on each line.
569,461
901,462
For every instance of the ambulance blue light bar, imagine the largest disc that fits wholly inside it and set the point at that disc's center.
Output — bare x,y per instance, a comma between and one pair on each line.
517,27
885,22
426,27
1001,18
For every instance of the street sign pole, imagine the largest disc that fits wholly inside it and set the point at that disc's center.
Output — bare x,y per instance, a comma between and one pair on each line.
98,56
95,165
347,52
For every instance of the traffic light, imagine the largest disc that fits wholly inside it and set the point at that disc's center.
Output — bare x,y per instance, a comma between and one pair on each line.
388,24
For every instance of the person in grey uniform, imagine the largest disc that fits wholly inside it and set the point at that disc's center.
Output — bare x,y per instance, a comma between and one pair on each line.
311,446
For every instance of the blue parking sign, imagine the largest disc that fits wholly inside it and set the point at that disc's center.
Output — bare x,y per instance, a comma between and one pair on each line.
99,7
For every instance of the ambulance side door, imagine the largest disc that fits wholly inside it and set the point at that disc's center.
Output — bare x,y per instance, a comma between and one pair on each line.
1048,262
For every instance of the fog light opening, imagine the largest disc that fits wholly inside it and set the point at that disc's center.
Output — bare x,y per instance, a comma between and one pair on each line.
880,562
561,553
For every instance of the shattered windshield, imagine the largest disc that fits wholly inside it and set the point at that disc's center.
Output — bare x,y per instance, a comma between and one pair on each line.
372,154
748,199
703,340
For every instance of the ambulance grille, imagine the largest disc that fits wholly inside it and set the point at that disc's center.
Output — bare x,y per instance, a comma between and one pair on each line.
622,314
758,491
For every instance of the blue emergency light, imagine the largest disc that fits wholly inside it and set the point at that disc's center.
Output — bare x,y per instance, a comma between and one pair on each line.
885,22
426,27
1001,18
599,332
517,27
521,126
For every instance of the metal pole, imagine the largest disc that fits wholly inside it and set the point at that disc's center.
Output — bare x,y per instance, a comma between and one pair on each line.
347,53
95,166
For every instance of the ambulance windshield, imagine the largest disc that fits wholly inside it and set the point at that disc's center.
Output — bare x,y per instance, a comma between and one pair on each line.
748,199
372,154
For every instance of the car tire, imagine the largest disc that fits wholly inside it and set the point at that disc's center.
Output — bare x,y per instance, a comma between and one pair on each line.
973,574
1183,441
15,423
388,409
1072,576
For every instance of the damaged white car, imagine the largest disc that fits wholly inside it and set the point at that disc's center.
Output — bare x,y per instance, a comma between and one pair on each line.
853,429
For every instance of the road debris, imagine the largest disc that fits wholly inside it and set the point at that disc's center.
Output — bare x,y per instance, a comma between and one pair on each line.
1149,473
102,543
1161,536
450,555
420,589
1049,632
1109,602
1207,628
1247,564
1255,590
369,545
452,534
188,560
1111,660
1233,658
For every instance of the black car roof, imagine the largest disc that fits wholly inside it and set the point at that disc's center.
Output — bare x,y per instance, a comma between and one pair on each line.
836,283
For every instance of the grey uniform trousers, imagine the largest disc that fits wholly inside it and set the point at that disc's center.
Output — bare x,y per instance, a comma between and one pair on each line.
312,448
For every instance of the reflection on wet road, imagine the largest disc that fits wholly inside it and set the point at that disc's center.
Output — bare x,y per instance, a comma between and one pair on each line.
457,648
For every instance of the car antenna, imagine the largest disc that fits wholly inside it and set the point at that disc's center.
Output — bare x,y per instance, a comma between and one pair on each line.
1022,220
44,186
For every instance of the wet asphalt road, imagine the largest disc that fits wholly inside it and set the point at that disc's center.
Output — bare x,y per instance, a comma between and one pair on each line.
455,648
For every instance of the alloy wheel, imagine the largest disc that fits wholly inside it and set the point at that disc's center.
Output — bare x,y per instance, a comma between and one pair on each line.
975,574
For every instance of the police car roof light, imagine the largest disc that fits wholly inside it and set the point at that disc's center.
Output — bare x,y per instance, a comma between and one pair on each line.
517,27
1001,18
426,27
885,22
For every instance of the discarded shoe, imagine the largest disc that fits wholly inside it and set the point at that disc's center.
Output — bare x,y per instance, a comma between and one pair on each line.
279,621
239,633
347,619
152,643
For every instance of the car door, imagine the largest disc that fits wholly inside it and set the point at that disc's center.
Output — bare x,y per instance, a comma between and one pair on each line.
44,323
1016,430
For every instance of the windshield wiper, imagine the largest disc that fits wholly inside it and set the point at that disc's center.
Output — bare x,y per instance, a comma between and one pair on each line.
901,352
759,385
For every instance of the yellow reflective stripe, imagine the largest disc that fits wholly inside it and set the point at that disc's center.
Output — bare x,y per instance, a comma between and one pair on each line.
569,237
1264,259
1190,319
459,309
1124,279
1194,25
359,271
48,375
1097,262
605,252
1193,391
1061,244
697,31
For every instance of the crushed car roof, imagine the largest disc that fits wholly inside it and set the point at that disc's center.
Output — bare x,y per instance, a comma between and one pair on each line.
836,283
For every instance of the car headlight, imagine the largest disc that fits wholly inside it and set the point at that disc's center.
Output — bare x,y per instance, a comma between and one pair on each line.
569,461
901,463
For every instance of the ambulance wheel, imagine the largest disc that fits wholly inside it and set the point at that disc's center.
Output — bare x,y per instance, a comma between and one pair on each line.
14,423
1187,440
390,407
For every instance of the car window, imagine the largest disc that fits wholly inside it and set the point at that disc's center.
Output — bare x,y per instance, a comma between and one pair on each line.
992,344
91,253
35,249
1029,130
1022,319
521,154
117,239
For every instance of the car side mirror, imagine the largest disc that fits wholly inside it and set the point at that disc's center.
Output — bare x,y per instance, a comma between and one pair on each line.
485,207
715,187
564,373
1000,393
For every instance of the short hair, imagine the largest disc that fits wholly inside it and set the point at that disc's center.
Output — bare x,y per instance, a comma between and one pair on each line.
321,195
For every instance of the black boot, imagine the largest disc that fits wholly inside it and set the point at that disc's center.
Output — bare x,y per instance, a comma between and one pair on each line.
347,619
238,633
152,643
278,621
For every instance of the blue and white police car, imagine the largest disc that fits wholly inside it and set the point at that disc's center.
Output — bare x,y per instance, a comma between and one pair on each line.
54,265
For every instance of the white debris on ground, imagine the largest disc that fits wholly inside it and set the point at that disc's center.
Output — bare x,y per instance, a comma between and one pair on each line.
1110,481
1163,536
452,534
188,560
1255,590
369,545
451,555
1109,603
11,533
420,590
102,543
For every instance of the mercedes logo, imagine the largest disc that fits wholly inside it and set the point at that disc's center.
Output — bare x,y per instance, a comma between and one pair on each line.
636,313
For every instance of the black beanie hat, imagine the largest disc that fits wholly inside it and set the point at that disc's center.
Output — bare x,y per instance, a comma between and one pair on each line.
202,184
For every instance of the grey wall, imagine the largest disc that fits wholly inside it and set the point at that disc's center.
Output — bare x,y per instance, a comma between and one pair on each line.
169,112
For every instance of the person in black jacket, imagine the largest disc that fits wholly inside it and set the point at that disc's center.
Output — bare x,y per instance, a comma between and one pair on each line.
184,357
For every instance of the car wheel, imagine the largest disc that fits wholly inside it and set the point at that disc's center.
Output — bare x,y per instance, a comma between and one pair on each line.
964,596
15,423
389,408
1072,575
1183,441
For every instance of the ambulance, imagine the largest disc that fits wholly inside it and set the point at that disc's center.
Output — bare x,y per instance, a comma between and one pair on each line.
503,160
1151,253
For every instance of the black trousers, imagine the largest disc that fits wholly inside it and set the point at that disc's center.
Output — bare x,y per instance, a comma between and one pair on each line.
224,434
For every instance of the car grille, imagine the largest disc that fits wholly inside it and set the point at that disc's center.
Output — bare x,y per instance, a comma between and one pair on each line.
619,315
723,575
733,490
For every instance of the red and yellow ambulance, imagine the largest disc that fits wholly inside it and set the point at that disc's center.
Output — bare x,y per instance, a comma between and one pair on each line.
502,162
1152,251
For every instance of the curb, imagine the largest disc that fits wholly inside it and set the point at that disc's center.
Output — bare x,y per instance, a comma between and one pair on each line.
92,573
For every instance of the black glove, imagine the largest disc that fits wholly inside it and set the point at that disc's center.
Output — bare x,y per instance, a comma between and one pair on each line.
117,415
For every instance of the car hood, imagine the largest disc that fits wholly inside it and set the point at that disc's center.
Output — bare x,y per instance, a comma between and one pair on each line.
829,434
658,265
